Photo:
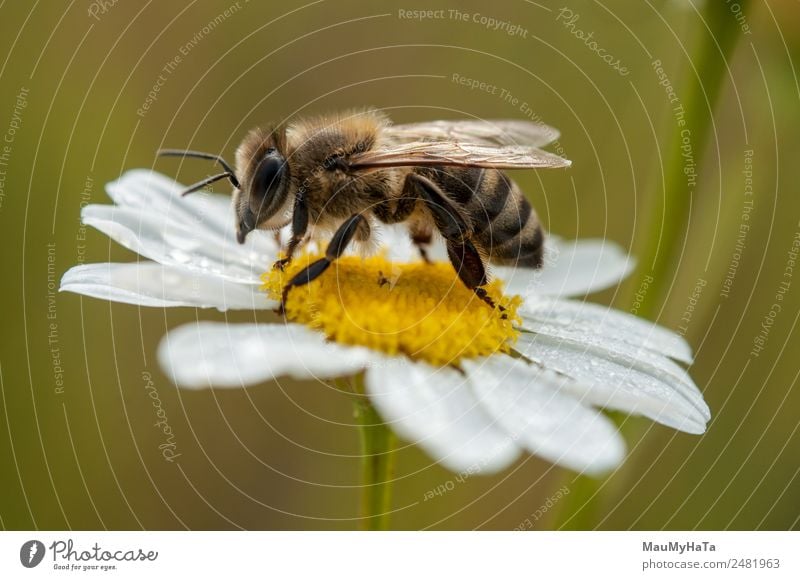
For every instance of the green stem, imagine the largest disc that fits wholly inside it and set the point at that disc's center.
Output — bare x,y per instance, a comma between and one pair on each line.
699,95
665,229
377,452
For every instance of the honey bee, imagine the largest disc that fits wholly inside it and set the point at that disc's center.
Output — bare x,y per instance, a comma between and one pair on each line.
343,173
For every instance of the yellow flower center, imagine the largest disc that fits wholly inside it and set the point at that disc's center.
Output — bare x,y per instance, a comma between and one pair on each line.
420,310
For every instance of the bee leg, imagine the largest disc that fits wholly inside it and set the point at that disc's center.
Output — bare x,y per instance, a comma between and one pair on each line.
290,249
355,224
448,217
455,229
404,207
299,228
422,239
471,270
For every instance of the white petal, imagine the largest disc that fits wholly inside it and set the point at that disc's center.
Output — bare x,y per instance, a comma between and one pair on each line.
158,236
599,325
146,189
639,383
436,409
530,405
206,354
151,284
210,213
570,269
397,242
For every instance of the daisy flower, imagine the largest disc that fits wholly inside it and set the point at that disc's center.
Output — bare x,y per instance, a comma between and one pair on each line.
473,386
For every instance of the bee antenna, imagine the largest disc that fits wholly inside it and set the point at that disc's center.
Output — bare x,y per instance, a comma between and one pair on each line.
229,172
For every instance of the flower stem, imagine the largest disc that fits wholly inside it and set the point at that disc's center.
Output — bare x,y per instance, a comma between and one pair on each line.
699,95
377,456
700,91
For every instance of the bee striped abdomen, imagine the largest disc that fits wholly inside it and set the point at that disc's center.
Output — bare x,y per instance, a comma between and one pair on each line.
504,225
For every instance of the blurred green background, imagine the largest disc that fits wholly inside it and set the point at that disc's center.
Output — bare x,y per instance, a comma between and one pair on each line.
78,448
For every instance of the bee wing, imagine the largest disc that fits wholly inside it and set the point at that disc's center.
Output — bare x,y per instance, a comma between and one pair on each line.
456,153
484,132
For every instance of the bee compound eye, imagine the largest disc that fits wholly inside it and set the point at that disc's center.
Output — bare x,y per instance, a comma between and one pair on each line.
268,175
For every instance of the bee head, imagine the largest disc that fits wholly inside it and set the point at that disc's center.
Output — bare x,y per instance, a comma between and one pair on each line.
262,201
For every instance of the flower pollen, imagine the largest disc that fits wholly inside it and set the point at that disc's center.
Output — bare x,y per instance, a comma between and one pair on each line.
416,309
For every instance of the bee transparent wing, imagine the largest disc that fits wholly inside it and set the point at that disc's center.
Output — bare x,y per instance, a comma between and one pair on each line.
483,132
456,153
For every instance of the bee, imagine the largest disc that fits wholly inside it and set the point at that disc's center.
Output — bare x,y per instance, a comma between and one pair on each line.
343,173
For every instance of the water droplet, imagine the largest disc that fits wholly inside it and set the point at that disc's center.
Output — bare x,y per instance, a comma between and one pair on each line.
179,256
